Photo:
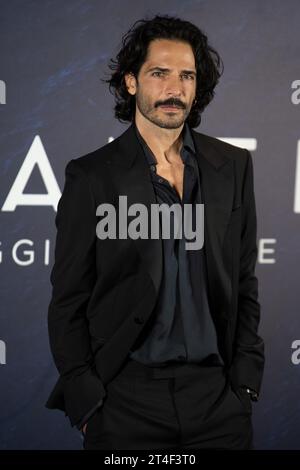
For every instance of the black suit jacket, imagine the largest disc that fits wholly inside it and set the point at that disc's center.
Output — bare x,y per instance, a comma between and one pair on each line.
105,290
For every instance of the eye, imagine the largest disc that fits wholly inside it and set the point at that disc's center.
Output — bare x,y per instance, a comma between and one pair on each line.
185,74
188,75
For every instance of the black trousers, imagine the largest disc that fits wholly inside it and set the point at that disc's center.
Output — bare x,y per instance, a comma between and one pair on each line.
179,406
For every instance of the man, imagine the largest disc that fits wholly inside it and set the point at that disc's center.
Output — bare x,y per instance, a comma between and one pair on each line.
157,344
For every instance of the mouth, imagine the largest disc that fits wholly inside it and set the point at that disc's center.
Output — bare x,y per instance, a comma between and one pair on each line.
169,107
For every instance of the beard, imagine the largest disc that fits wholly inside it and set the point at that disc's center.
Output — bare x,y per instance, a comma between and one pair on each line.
163,119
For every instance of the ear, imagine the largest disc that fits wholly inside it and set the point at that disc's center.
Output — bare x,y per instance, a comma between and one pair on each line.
130,83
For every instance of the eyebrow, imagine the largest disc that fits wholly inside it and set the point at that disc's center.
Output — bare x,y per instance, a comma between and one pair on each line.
163,69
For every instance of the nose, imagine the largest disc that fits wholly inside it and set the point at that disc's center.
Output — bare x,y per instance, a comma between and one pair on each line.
174,86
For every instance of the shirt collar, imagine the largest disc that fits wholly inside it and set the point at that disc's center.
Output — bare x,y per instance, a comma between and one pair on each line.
188,144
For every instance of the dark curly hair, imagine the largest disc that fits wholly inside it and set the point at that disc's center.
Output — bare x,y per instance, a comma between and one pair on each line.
133,54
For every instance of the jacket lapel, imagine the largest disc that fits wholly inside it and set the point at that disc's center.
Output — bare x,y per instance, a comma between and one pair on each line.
131,177
217,191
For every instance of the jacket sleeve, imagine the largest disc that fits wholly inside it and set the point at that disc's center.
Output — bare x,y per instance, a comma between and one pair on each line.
248,355
86,417
73,277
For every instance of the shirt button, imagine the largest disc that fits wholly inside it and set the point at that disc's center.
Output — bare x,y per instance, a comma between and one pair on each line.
160,180
152,167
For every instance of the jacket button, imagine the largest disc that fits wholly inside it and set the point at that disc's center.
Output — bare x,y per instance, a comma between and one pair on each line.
139,320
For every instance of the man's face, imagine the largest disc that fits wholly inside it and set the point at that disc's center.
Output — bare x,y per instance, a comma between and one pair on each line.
167,77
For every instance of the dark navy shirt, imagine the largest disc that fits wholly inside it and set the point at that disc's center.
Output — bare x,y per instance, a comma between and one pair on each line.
181,327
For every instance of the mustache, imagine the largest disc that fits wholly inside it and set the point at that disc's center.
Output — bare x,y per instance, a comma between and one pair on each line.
172,102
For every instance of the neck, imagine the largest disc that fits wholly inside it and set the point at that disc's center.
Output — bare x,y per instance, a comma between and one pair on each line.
164,143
